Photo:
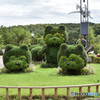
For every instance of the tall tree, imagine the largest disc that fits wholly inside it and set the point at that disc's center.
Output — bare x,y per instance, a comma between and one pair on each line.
20,36
15,35
5,34
91,36
97,44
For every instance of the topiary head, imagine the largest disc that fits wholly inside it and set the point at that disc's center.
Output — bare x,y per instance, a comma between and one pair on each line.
72,63
75,49
17,63
67,50
55,36
16,53
55,39
75,62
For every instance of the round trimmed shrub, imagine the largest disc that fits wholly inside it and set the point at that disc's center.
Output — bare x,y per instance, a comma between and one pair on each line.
36,53
33,46
67,50
17,63
16,58
71,65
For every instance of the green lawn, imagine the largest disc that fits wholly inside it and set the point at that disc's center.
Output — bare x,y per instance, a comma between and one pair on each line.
47,77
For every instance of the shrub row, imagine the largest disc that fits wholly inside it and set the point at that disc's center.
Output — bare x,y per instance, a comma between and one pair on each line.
93,59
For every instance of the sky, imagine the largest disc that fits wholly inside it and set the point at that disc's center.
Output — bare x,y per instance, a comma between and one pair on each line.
25,12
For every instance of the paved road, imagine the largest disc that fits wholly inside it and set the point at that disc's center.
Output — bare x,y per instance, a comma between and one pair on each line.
1,62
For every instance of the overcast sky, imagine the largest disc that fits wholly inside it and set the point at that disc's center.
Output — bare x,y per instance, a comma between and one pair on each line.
25,12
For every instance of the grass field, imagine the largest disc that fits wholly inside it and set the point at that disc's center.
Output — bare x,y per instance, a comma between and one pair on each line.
47,77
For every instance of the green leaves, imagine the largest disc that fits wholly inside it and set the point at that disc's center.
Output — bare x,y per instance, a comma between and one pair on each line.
15,35
20,36
37,53
97,44
17,64
54,40
73,62
16,58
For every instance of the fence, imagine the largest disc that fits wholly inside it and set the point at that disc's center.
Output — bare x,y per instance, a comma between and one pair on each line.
49,87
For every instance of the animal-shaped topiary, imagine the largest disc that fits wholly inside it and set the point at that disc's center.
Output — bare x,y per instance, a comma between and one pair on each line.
53,38
76,55
66,50
15,58
71,65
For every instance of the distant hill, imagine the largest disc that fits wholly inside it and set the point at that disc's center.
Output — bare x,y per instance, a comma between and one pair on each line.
39,28
73,29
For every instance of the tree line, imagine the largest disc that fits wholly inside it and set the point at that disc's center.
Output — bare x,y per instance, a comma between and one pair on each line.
21,34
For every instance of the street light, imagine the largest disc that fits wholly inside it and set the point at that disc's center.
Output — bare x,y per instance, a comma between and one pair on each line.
32,34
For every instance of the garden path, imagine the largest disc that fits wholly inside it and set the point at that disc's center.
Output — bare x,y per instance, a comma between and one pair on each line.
1,62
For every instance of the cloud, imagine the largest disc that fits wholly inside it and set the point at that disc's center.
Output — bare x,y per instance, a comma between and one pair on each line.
15,12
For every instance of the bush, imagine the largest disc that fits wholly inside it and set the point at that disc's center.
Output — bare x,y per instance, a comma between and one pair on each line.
45,65
67,50
63,64
71,65
17,63
29,69
36,53
33,46
53,38
90,58
53,30
94,59
87,70
76,62
16,58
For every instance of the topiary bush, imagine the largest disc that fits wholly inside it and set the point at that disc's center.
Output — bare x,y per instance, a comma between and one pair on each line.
66,50
16,58
33,46
36,53
53,38
71,58
71,65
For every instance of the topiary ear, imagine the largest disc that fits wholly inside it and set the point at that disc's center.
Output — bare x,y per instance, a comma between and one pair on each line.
24,47
48,28
63,46
8,47
79,47
62,28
